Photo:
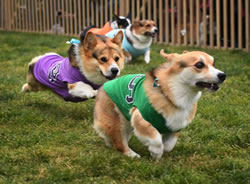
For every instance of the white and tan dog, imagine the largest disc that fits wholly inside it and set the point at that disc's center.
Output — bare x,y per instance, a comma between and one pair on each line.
95,60
155,106
137,39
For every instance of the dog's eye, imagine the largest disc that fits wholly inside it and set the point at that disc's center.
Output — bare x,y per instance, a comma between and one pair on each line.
148,25
199,65
141,24
103,59
117,59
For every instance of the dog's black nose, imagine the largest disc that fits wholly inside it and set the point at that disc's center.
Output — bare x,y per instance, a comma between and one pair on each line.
221,77
156,30
114,71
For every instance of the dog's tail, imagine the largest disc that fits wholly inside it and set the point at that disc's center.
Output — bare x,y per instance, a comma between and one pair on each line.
84,32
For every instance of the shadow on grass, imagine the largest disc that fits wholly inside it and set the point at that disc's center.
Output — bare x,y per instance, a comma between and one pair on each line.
58,111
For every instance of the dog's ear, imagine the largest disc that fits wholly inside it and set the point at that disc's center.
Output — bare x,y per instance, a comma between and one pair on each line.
185,51
115,17
137,22
90,41
168,57
84,32
129,16
118,38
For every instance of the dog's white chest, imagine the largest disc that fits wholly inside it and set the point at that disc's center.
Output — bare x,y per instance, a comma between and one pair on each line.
178,120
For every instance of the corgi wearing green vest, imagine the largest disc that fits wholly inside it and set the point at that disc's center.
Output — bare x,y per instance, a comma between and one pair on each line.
156,106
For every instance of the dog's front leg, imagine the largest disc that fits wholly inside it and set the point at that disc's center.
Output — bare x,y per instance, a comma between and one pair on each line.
82,90
127,56
147,56
147,134
169,141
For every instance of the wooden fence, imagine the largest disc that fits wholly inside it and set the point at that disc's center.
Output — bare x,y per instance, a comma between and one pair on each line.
208,23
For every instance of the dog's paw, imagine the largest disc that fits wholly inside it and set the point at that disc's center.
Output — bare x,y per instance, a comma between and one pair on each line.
132,154
147,60
86,94
82,90
95,93
156,151
25,88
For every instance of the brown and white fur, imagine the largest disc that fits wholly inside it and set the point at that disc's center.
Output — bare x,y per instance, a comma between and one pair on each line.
98,58
141,34
181,80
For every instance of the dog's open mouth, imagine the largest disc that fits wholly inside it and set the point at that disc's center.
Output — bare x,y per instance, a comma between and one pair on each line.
150,34
108,77
211,86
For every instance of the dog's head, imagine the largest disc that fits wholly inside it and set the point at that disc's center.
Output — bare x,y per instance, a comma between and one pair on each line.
144,28
120,22
195,69
102,57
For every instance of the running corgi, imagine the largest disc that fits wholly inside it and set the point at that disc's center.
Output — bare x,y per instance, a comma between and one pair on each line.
156,106
137,39
95,60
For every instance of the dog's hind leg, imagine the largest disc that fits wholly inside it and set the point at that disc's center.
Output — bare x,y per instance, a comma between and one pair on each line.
101,133
110,124
31,83
113,131
147,134
126,133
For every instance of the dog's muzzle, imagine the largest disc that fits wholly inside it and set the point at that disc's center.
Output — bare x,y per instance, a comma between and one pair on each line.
114,72
151,34
212,86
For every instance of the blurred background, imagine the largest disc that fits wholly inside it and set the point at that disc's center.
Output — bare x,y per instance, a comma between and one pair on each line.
207,23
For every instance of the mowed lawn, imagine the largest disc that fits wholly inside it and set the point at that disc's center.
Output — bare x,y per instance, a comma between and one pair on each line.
46,140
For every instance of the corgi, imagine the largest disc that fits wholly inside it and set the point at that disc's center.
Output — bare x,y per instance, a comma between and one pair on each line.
95,60
155,106
138,38
118,22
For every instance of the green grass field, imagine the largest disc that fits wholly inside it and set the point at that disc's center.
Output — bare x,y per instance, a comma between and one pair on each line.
46,140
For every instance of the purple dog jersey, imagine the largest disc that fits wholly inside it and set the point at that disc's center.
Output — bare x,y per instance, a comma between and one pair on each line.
55,72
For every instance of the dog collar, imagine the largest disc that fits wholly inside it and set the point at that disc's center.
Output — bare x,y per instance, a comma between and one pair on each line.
155,83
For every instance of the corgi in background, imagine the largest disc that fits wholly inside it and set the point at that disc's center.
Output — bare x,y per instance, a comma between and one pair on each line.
137,39
156,106
95,60
118,22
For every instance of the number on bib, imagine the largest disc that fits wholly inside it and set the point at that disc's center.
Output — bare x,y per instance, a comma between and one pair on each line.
129,98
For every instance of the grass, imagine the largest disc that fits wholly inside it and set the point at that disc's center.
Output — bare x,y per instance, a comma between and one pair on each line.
46,140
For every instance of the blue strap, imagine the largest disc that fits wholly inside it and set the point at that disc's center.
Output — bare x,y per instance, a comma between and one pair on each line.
73,41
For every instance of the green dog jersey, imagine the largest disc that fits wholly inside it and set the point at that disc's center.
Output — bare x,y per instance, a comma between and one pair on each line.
128,91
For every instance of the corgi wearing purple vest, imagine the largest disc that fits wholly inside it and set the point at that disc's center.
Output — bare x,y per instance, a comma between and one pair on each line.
95,60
